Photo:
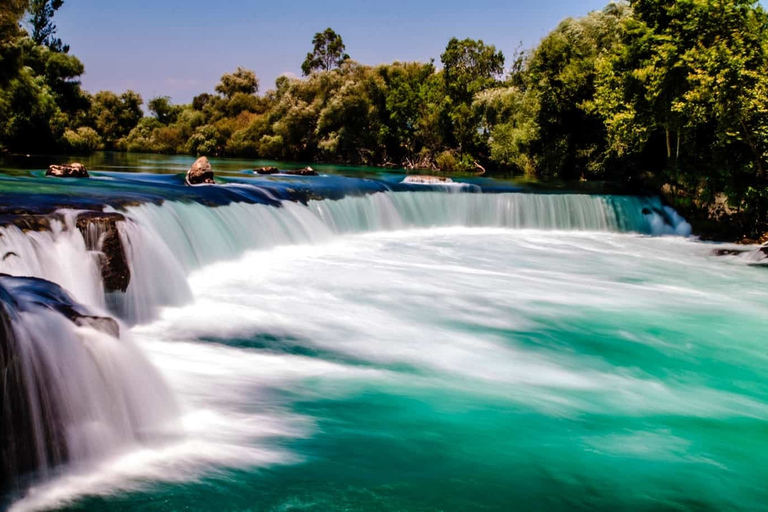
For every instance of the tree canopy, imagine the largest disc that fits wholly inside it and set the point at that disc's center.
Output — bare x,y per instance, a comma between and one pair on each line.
653,94
328,52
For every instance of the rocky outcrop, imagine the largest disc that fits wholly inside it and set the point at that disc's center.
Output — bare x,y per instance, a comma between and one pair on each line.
101,235
267,170
200,173
74,170
307,171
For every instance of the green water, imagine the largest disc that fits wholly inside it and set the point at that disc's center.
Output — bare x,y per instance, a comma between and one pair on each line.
432,369
459,369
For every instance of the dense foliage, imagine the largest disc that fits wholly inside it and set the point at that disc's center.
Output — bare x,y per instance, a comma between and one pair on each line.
667,94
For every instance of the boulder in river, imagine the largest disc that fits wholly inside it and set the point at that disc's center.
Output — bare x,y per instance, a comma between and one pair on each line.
200,173
100,232
267,170
307,171
74,170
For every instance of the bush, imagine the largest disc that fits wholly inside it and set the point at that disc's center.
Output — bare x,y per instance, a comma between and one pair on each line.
84,140
205,141
448,161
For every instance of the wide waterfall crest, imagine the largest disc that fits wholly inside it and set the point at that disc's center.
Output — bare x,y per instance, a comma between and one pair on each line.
164,243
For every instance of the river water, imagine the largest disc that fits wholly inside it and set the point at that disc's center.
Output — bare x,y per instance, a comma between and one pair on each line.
432,351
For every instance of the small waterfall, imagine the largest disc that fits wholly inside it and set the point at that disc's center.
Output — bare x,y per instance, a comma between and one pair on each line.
71,391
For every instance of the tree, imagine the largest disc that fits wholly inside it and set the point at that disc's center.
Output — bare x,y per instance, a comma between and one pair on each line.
328,53
11,11
163,110
201,100
241,81
115,116
469,67
569,138
43,29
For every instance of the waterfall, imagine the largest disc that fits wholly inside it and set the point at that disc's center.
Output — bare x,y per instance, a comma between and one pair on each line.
71,390
72,393
164,243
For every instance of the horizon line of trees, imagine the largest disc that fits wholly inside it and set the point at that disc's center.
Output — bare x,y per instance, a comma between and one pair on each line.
671,94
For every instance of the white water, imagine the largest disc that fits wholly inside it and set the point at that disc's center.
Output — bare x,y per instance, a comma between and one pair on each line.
442,311
98,393
221,387
165,243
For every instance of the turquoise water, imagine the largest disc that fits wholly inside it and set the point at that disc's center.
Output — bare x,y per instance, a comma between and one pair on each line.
411,351
455,369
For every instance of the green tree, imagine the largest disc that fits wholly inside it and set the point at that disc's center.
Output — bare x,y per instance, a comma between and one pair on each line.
569,141
163,110
469,67
328,53
41,14
242,81
115,116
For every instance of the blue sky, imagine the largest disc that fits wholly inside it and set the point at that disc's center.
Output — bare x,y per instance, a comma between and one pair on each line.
181,47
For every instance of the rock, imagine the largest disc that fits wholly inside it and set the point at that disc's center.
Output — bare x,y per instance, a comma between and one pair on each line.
267,170
100,232
729,252
74,170
104,324
200,172
427,180
307,171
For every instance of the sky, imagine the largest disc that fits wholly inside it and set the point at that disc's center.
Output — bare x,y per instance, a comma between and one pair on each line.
180,48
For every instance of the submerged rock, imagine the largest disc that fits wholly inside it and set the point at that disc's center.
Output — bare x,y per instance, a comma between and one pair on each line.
427,180
200,173
267,170
307,171
729,252
758,257
75,170
100,232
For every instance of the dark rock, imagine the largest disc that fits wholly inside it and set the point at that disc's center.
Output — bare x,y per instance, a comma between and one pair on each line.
100,232
307,171
729,252
104,324
200,173
267,170
67,171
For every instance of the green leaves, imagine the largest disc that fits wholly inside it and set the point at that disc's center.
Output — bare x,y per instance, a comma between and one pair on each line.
328,52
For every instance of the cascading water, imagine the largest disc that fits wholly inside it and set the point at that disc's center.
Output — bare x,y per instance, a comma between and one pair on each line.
163,243
71,391
89,394
167,242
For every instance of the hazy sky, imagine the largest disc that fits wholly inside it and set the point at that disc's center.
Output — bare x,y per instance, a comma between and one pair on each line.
181,47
